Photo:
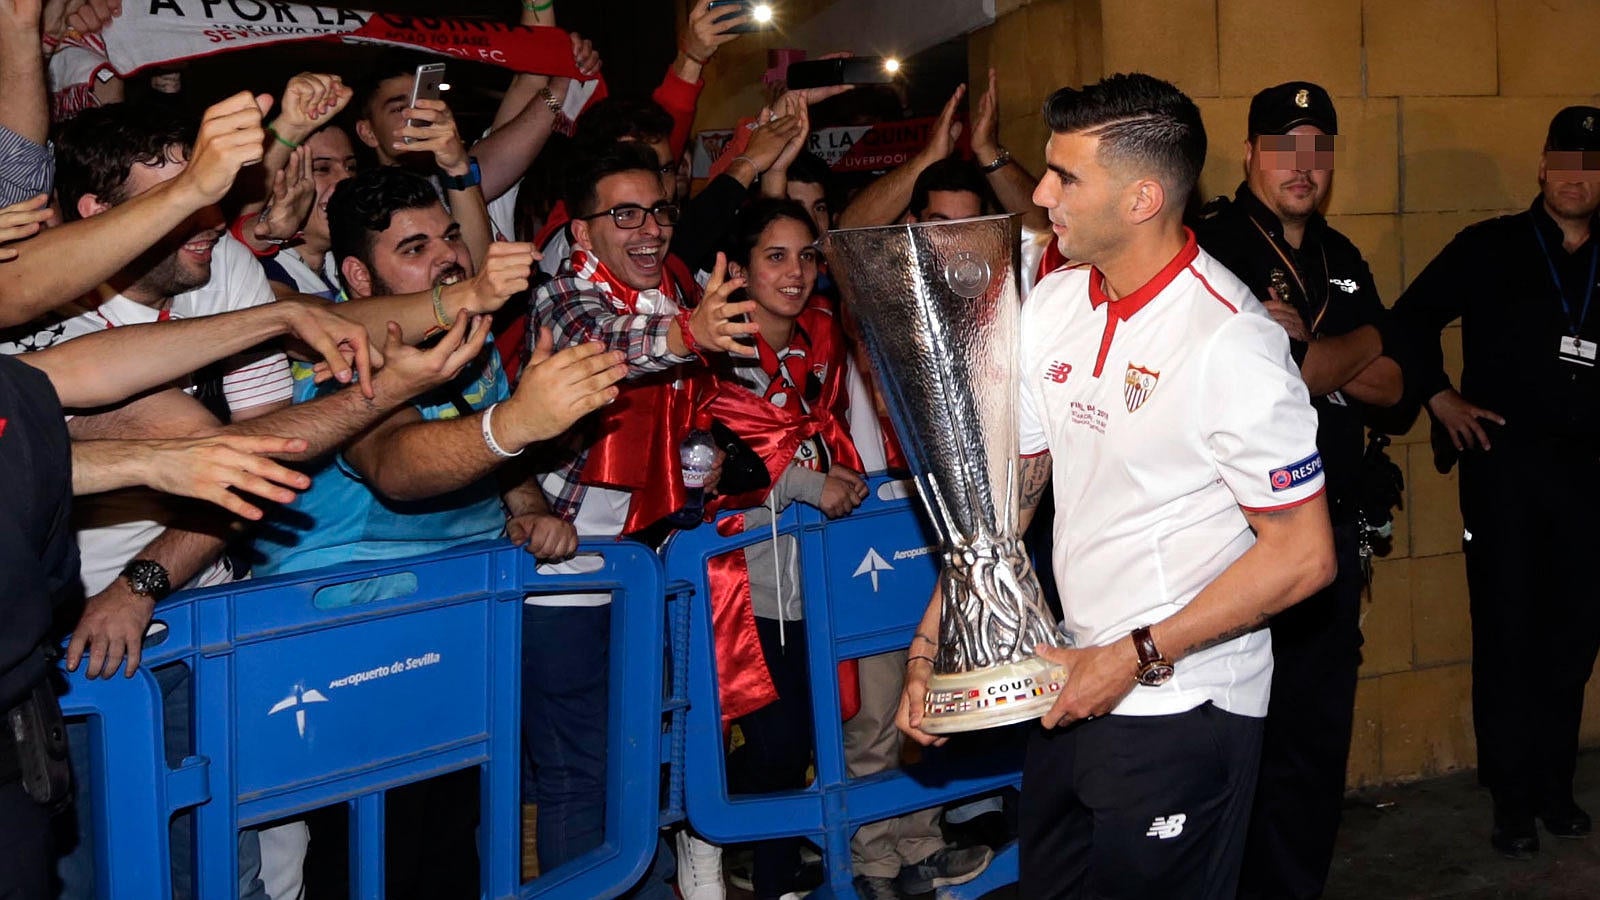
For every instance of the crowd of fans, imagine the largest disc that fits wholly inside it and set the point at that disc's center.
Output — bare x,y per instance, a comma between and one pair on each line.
362,335
354,333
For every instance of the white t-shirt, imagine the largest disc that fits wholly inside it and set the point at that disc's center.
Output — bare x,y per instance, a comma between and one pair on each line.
115,528
1167,414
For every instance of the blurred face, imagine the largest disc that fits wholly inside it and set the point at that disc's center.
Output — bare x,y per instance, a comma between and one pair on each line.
333,159
181,261
421,248
1570,181
815,200
1083,198
1290,173
634,255
944,205
783,269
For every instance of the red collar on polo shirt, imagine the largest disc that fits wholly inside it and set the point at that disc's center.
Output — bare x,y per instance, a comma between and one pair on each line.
1126,307
1123,309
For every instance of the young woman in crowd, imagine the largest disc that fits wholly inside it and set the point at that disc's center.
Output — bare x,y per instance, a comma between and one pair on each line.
787,402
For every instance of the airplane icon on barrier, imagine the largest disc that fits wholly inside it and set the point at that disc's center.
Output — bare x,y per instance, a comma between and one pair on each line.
298,701
871,565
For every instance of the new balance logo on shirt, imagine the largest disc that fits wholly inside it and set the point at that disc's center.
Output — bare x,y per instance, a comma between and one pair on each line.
1165,827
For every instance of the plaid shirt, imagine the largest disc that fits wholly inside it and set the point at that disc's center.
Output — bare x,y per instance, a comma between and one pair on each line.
576,309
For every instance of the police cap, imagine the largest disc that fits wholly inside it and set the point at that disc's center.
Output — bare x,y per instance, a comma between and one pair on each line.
1574,128
1278,109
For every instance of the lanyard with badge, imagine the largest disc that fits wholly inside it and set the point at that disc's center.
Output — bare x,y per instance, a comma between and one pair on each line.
1573,348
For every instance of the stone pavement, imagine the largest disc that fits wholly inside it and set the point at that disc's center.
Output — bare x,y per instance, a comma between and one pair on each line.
1430,839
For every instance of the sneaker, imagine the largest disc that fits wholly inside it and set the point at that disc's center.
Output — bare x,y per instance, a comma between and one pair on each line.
949,865
876,888
699,868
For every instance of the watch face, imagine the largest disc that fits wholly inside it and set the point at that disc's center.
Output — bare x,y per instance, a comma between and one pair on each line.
1156,674
148,577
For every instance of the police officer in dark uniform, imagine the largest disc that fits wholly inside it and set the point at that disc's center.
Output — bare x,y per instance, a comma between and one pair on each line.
1315,283
1526,423
38,563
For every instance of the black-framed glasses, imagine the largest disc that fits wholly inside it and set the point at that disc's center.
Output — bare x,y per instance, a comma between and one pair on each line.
629,216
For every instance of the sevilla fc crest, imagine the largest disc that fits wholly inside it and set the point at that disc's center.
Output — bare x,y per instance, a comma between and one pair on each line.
1139,384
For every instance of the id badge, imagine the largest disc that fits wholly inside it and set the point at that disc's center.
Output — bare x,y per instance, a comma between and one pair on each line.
1577,351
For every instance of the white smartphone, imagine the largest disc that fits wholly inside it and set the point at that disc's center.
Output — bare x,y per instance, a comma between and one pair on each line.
428,85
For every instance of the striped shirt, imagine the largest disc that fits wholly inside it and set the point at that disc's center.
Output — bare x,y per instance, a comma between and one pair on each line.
26,169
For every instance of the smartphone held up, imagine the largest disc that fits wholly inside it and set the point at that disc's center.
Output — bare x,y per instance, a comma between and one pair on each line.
429,84
817,73
758,15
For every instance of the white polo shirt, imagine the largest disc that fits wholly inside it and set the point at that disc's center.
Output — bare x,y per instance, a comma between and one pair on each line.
1168,413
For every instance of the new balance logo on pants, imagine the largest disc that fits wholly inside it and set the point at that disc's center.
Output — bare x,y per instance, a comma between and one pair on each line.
1164,827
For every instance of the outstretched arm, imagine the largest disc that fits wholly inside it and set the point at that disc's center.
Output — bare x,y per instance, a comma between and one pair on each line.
110,366
61,264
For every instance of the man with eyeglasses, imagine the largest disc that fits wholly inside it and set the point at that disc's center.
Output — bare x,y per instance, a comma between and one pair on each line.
1314,282
618,472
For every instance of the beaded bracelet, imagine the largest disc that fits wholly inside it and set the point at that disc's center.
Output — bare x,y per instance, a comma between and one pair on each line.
538,7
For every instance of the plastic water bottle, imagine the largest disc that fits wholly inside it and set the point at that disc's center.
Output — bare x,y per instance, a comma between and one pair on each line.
698,454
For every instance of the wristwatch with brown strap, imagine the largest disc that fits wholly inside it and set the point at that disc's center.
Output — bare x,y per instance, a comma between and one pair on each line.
1154,669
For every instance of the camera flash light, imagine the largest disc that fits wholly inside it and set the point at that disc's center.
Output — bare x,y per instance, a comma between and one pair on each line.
444,86
762,13
891,65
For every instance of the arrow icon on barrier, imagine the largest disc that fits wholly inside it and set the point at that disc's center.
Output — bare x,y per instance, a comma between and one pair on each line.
871,565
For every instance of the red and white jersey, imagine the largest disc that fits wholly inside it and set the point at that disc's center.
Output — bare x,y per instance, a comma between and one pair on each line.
1168,414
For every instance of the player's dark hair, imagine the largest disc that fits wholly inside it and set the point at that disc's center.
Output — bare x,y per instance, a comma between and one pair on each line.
1142,122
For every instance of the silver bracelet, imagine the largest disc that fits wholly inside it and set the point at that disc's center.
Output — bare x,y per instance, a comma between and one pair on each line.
488,436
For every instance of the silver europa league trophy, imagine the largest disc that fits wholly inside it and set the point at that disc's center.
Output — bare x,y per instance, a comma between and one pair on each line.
937,307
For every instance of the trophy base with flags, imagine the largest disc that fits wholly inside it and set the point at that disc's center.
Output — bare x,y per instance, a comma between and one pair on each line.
987,698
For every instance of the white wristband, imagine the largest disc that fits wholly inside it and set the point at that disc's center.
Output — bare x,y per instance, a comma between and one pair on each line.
488,436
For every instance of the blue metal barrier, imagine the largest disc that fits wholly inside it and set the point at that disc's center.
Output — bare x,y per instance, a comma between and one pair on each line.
298,707
866,580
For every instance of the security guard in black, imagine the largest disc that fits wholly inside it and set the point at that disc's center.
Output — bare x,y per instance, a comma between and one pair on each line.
1314,282
38,562
1526,422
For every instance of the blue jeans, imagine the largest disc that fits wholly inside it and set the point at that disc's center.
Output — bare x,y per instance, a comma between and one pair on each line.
566,653
75,868
566,660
